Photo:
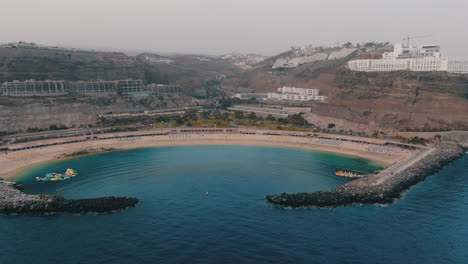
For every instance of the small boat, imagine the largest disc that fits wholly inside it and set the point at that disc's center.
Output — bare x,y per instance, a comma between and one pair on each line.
52,176
71,173
347,174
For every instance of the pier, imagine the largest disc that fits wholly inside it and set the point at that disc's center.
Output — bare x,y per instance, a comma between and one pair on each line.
14,201
382,188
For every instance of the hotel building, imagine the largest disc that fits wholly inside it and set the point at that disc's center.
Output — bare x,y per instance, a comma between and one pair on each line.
409,58
34,88
297,94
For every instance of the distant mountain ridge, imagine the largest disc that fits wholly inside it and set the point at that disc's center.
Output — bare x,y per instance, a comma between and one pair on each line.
26,63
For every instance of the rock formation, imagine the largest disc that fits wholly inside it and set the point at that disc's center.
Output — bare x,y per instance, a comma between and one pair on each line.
14,201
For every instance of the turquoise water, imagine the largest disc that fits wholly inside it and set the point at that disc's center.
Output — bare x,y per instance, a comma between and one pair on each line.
175,222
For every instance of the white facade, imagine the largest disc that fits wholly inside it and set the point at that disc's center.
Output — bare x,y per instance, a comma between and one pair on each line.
296,97
286,93
297,94
295,90
457,65
423,58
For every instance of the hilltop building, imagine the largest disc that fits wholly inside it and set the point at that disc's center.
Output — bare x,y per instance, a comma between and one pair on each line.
411,58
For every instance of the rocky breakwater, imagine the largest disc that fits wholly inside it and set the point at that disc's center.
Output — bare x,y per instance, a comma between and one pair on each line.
382,188
14,201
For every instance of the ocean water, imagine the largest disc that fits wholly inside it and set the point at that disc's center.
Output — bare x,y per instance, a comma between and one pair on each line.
176,222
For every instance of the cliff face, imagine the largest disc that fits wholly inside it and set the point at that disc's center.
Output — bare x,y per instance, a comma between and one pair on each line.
399,100
21,64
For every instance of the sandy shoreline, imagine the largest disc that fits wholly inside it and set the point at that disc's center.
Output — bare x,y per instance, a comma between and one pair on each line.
13,165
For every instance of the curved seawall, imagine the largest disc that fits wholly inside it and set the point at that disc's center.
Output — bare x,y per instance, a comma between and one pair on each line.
382,188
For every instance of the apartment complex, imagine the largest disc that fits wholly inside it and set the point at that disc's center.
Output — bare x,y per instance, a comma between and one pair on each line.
34,88
410,58
129,88
163,89
132,88
287,93
93,87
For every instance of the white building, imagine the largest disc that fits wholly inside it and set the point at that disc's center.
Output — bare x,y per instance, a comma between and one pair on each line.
34,88
410,58
297,94
286,93
295,90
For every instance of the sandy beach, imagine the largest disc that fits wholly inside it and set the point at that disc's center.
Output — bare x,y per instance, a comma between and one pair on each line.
14,164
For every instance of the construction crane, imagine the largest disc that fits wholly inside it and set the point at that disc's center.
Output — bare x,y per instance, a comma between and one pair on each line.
408,38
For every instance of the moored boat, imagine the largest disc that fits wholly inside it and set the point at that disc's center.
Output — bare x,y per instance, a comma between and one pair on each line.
52,176
347,174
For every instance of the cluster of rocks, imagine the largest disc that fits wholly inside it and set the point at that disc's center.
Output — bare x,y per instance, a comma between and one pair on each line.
14,201
372,189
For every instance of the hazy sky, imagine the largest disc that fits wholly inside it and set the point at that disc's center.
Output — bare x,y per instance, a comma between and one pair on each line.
221,26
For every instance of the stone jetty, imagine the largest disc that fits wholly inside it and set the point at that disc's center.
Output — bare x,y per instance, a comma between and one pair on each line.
14,201
382,188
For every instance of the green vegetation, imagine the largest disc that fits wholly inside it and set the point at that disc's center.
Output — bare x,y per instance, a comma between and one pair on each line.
23,140
416,140
298,120
269,126
210,123
238,115
252,116
226,102
55,127
51,127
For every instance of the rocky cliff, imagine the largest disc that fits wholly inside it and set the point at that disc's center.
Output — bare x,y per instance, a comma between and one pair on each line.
398,100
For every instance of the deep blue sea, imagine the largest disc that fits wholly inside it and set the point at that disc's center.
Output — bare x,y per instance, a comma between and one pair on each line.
176,222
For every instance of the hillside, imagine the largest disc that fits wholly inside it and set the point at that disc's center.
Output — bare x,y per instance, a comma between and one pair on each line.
397,101
392,101
190,71
41,64
23,113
